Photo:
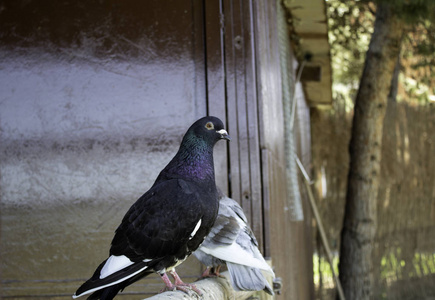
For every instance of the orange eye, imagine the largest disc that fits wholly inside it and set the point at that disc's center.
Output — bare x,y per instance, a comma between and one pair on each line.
209,126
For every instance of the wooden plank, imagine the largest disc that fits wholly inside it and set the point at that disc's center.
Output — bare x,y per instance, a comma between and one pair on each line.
268,85
245,169
213,289
231,93
266,203
244,151
215,82
252,122
238,43
283,235
259,16
303,149
198,55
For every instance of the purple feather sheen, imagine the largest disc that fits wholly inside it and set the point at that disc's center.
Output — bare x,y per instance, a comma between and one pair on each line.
198,166
194,160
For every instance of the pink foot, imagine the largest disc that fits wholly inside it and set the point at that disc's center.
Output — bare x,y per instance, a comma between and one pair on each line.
178,284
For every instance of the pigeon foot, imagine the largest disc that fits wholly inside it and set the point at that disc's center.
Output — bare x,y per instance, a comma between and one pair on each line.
212,272
178,284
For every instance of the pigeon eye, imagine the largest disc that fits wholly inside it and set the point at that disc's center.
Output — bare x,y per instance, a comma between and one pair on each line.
209,126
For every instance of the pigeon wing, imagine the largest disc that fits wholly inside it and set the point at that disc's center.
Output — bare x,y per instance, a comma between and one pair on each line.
151,234
228,225
161,222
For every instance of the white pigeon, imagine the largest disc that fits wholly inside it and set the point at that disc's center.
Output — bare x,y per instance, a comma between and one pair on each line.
232,242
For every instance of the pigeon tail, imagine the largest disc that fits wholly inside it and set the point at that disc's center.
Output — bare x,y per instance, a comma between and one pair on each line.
244,278
105,294
103,286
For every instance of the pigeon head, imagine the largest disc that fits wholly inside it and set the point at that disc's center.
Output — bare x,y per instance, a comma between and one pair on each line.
208,129
194,159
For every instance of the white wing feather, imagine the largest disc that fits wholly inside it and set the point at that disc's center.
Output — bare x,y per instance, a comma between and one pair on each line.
236,254
114,264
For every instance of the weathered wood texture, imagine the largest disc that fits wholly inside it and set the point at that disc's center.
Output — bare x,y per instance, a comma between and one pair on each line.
360,221
213,289
286,241
241,91
270,113
215,79
303,151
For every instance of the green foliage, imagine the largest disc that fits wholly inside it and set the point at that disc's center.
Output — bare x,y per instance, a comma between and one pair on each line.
391,266
350,28
412,11
321,267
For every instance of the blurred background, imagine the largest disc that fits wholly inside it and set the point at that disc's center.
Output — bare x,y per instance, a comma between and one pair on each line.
404,249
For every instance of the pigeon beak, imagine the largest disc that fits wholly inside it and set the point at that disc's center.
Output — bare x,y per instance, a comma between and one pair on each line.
224,134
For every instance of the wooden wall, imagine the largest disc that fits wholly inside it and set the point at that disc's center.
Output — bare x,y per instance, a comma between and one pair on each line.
287,242
95,97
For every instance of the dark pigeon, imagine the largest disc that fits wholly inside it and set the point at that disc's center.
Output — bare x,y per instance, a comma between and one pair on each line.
168,222
232,242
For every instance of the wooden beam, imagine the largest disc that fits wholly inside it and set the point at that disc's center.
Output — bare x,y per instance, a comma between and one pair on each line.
212,289
313,35
311,73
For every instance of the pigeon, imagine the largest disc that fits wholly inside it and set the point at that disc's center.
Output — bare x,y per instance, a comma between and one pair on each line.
232,242
167,223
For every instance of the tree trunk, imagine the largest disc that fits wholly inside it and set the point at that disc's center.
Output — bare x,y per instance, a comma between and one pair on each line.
359,225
